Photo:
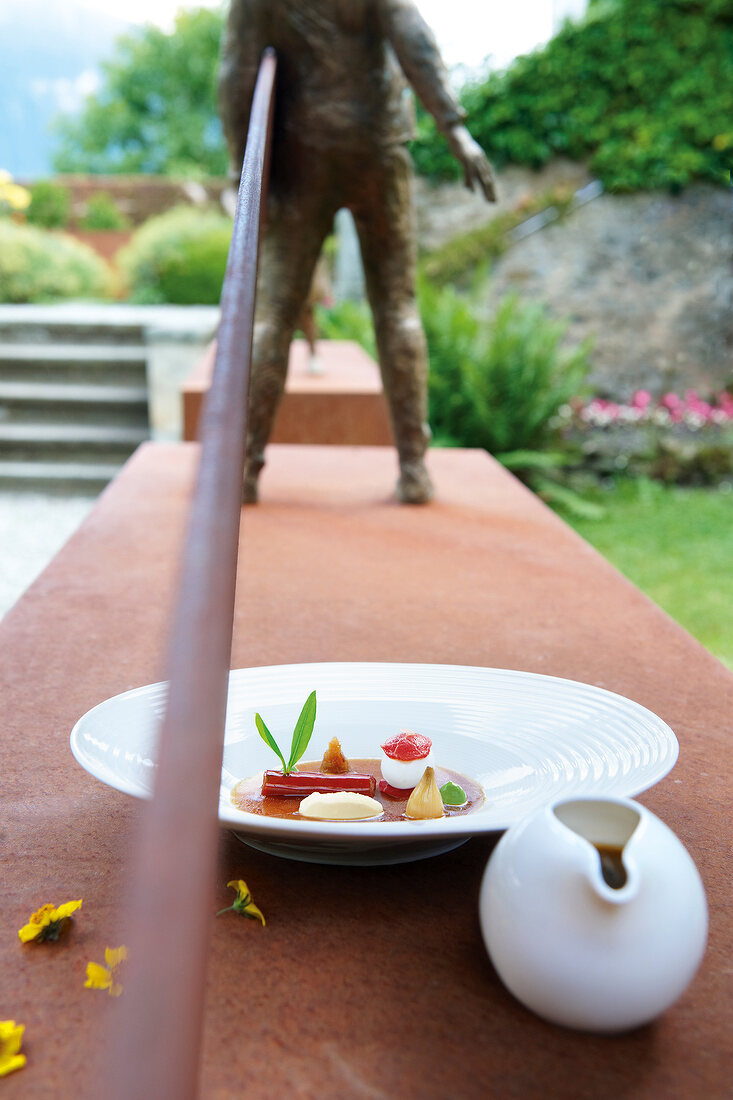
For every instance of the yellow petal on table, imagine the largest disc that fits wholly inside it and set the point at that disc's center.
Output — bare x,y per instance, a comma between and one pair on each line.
252,911
45,916
240,886
67,909
243,903
36,923
11,1035
98,977
113,956
29,932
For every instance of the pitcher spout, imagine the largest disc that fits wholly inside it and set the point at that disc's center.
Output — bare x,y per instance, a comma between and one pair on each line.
607,826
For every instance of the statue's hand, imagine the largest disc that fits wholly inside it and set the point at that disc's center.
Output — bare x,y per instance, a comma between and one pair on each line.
476,169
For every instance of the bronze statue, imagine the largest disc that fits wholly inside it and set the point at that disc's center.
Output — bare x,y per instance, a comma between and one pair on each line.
342,118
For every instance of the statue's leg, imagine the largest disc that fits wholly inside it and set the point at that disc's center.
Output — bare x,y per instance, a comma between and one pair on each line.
295,233
384,218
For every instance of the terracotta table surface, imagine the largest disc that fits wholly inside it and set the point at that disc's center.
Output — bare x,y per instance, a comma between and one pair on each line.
366,982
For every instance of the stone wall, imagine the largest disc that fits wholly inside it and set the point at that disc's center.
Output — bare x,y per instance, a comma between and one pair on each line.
450,209
649,276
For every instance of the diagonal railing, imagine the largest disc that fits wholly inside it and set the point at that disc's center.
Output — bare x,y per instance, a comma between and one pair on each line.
158,1027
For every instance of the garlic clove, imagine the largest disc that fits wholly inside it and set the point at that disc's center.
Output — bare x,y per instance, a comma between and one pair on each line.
425,801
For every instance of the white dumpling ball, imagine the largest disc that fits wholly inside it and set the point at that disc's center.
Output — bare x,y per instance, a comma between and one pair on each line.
405,758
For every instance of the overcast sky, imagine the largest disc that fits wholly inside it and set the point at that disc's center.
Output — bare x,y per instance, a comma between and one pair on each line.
467,30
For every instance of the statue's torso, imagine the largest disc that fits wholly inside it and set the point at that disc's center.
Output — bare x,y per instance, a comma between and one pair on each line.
338,80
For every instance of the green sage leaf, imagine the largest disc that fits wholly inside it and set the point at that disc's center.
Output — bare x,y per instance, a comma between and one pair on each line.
269,740
303,731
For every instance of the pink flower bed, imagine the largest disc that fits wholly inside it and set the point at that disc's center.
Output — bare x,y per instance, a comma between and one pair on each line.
690,411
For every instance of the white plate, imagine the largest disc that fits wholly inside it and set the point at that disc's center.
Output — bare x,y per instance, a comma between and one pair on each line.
526,739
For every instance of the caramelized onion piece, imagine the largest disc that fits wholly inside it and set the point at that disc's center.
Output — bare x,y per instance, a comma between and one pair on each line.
334,762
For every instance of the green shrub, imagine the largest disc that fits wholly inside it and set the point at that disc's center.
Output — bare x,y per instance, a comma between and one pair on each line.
102,212
495,385
40,266
50,205
178,257
498,385
347,321
641,88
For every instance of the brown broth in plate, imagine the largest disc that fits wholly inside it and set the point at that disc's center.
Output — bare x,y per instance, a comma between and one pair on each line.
247,794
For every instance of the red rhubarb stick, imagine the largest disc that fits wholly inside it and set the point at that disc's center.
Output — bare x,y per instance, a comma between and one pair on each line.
300,784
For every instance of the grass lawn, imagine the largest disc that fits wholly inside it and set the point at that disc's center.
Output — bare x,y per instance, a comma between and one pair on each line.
676,545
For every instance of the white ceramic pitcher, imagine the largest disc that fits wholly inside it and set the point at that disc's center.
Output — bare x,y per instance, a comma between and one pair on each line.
593,913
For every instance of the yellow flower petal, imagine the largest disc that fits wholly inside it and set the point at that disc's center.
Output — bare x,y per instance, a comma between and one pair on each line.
29,932
243,902
98,977
66,909
102,977
11,1035
252,911
36,923
43,917
5,176
240,886
9,1065
114,956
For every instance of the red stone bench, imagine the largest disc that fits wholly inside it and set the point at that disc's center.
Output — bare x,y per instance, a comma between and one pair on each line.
366,982
344,405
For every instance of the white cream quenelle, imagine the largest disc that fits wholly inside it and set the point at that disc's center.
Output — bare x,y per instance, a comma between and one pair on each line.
339,806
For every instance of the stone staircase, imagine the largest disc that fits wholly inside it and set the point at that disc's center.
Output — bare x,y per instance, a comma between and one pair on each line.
73,398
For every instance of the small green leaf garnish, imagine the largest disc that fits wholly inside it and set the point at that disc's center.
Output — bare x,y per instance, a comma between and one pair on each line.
452,794
269,739
303,731
301,734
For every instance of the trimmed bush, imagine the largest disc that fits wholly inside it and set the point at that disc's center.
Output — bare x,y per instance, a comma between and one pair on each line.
40,266
179,257
50,205
102,212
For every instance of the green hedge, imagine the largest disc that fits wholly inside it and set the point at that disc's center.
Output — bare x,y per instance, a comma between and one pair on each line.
178,257
102,212
50,206
643,89
37,265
